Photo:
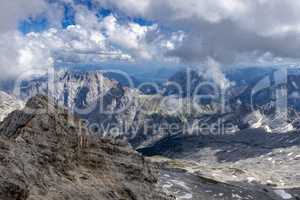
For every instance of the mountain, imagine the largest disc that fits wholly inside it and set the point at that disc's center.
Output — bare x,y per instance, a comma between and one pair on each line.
250,164
8,104
68,88
257,159
248,75
250,101
188,80
203,153
45,154
115,110
111,109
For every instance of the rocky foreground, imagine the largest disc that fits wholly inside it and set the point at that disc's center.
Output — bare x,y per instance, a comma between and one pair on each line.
44,156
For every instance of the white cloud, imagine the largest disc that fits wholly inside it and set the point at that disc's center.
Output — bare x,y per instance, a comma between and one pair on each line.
38,51
19,55
214,72
77,44
86,18
91,40
223,29
257,15
131,36
229,31
189,31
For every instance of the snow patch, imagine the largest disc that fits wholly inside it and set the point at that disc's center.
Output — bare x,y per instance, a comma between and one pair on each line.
283,194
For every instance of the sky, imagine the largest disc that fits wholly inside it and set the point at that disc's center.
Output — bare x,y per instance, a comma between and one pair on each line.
38,34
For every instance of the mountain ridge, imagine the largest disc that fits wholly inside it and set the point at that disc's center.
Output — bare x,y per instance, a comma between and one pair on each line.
44,156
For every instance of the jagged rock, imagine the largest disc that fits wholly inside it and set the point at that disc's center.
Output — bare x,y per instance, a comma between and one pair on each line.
106,103
47,155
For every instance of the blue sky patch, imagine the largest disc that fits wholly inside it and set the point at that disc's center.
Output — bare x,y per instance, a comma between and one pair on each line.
142,21
69,16
36,24
104,12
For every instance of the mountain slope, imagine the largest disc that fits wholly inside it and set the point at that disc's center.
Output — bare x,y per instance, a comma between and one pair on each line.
46,156
250,164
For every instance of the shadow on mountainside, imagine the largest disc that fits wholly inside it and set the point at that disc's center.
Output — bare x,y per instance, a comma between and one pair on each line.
245,144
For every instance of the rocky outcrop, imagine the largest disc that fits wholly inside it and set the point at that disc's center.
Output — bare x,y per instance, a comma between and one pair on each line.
46,154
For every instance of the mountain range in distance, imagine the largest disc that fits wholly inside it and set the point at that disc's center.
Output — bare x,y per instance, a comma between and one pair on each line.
193,161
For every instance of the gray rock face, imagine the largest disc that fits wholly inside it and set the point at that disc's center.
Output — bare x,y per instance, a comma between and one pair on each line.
44,155
106,104
68,88
8,104
251,102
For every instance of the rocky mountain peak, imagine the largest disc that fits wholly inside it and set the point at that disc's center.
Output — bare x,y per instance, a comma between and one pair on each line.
37,102
48,156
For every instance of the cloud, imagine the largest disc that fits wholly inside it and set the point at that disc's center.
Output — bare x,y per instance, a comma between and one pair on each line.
92,40
260,16
130,36
11,12
19,55
231,31
223,30
214,72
